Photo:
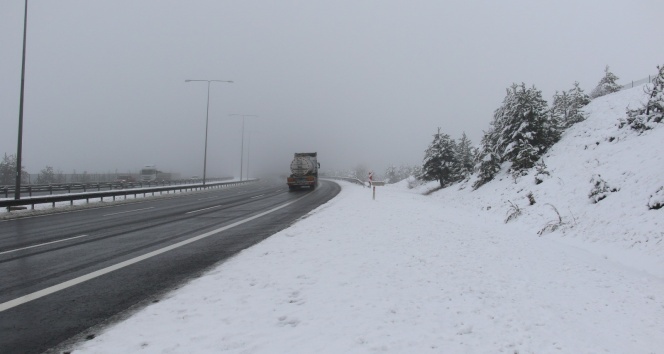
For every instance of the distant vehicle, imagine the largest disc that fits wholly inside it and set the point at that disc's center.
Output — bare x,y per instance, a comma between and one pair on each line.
194,178
152,174
304,171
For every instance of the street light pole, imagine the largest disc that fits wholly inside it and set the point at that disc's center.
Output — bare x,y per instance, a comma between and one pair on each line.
19,148
206,120
248,154
242,147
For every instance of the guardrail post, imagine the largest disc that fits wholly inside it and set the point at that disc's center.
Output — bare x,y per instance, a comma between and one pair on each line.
30,190
6,192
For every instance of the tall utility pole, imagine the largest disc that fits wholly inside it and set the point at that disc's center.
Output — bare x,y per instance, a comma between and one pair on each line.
19,148
242,147
206,120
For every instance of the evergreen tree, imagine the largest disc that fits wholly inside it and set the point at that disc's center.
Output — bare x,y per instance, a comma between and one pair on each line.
8,171
524,130
567,107
560,108
487,161
577,100
652,112
608,84
46,176
465,157
440,160
391,174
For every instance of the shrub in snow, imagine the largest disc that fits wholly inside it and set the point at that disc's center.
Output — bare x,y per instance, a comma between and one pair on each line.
652,112
600,189
513,212
541,174
551,226
657,200
608,84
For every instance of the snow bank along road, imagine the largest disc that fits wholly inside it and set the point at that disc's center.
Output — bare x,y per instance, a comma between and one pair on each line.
406,274
64,272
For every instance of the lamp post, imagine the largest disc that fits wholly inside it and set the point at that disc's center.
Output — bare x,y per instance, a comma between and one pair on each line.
206,120
19,147
242,147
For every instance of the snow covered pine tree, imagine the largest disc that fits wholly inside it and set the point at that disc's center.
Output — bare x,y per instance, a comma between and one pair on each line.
606,85
525,130
465,157
487,161
567,106
440,160
646,117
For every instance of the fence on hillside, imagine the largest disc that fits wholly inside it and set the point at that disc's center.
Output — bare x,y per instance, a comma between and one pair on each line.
645,80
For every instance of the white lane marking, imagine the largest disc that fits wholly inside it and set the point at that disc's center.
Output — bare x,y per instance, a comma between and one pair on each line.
258,196
55,288
128,211
196,211
42,244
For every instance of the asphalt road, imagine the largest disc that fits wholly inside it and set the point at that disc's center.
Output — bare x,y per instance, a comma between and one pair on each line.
64,275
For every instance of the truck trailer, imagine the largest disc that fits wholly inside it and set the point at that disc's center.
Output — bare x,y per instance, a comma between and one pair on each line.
304,171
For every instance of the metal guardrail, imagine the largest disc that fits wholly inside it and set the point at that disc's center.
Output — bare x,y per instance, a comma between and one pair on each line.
31,189
348,179
9,203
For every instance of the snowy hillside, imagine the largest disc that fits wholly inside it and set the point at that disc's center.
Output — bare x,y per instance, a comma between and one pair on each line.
591,151
443,273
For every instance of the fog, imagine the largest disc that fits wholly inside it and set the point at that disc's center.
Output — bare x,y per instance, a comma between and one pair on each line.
360,82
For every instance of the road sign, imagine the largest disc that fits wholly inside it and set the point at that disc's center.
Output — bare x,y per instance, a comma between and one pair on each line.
376,184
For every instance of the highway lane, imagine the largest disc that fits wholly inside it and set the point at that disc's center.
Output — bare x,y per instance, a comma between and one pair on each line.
82,249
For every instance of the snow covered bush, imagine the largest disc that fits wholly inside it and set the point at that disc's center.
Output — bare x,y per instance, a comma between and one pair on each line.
608,84
600,189
551,226
657,200
652,112
513,212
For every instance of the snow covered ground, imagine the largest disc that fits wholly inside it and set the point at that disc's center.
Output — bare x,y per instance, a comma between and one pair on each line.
444,273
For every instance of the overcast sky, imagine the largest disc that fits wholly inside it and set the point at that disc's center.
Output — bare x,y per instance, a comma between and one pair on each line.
360,82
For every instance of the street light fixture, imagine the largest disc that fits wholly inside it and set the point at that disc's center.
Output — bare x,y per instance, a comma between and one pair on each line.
242,148
206,120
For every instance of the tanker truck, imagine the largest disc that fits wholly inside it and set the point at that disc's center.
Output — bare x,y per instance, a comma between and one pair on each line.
304,171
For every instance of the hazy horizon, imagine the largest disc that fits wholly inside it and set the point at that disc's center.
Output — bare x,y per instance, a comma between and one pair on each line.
362,83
